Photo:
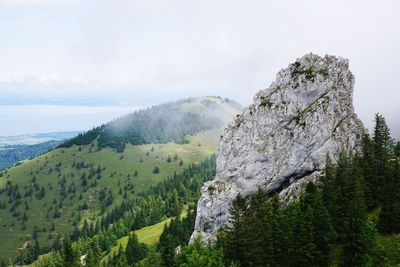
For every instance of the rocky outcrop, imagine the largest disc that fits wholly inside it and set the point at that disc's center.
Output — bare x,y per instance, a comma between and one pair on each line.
281,141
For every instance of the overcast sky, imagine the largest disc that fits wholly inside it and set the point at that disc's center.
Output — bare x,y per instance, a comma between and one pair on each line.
102,58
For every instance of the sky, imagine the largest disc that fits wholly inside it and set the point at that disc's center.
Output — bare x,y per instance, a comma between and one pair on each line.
73,64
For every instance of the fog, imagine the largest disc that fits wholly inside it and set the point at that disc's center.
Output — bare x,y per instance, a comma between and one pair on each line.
28,119
138,53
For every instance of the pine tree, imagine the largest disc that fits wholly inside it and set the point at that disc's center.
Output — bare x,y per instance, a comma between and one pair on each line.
304,248
340,204
168,252
91,260
199,255
355,228
370,172
329,191
397,149
389,221
324,233
70,259
383,143
233,236
135,251
280,232
175,204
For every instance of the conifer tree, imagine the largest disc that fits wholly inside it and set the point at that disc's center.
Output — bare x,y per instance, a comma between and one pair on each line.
340,204
324,235
389,221
383,143
355,229
91,260
70,259
199,255
168,252
233,236
329,190
397,149
135,251
370,172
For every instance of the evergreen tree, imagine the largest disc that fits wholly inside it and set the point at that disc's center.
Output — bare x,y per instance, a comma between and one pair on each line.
175,204
304,248
312,207
340,204
370,172
70,259
233,236
156,170
397,149
199,255
91,260
355,228
135,251
389,221
329,190
168,252
383,143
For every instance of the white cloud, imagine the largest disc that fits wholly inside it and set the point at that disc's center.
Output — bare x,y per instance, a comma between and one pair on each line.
152,51
31,3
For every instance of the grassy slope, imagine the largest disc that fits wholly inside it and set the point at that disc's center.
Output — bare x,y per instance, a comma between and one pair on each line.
12,236
149,235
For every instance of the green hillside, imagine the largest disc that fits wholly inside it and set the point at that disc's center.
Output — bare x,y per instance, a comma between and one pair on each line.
57,191
148,235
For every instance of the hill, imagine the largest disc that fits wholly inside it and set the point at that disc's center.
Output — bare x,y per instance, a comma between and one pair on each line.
169,122
90,174
10,155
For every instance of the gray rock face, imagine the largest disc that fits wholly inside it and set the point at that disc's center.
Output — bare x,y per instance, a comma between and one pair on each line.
280,142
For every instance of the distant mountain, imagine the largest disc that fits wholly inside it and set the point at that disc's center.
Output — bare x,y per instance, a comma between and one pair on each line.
15,149
32,139
11,155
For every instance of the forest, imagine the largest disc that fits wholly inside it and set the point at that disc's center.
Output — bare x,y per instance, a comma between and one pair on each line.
349,217
167,199
159,124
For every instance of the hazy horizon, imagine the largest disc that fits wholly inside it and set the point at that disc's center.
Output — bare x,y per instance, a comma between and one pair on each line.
89,62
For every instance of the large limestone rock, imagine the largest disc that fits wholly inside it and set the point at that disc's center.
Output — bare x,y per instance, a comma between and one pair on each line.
281,140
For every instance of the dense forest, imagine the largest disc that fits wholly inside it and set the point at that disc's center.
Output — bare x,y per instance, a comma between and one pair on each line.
158,124
10,155
345,219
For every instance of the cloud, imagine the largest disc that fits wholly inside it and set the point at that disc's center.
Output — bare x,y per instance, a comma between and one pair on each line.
34,3
134,52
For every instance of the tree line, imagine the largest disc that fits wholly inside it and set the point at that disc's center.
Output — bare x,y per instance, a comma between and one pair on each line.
98,237
158,124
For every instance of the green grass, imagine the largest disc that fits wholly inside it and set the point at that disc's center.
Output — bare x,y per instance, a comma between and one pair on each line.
117,173
149,235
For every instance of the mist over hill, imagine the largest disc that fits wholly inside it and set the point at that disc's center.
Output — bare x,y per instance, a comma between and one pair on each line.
160,124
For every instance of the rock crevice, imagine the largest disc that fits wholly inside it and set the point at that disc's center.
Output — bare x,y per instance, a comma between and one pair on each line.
280,142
